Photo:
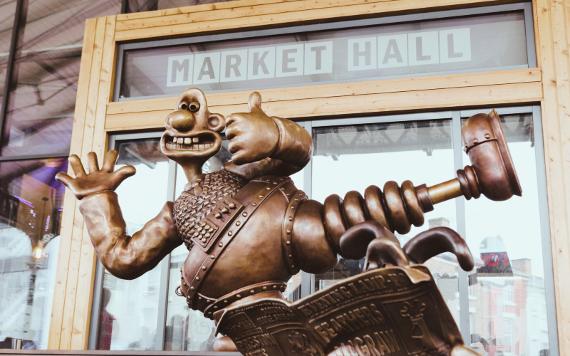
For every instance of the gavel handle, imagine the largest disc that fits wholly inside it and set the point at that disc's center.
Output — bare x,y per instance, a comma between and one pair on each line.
466,185
395,207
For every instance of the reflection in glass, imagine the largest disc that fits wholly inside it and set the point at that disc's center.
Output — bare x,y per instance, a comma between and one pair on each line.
360,155
30,214
129,310
187,329
7,11
507,300
44,84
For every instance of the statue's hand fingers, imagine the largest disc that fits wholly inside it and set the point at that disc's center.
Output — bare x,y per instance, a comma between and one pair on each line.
76,166
125,172
64,179
92,162
109,161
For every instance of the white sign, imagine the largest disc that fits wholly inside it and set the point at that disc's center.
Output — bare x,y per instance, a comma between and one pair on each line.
321,57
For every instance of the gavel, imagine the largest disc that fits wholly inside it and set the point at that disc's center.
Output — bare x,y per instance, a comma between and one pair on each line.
491,173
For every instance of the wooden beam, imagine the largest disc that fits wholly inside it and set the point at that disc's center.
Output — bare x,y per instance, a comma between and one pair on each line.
68,238
552,35
380,96
188,21
72,303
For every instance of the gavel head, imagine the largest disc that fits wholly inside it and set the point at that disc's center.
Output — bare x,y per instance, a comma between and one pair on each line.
490,158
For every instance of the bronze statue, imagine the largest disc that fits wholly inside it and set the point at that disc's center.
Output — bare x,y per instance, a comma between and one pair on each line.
248,229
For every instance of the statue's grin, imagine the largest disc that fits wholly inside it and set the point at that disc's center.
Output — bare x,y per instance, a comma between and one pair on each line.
194,144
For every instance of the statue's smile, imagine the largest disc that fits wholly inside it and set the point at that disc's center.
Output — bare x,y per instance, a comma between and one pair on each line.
203,143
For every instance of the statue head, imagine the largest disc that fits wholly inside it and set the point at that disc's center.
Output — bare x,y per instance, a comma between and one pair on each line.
192,133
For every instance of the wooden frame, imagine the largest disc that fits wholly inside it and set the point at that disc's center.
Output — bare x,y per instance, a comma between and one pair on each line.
96,116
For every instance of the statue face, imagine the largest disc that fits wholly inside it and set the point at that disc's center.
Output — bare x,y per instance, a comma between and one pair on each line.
192,133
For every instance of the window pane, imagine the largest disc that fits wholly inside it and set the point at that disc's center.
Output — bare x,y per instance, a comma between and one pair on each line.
350,53
507,297
30,212
360,155
129,309
42,96
187,329
7,12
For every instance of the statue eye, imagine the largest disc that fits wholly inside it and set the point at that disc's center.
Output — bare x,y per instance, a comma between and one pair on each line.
194,106
183,106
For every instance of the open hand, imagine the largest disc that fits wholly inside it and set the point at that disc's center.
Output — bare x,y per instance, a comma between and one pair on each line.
253,135
97,180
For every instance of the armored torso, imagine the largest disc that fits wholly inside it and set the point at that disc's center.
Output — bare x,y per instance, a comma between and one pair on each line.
199,199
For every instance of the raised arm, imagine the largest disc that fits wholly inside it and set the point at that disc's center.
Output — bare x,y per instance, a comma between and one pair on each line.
124,256
266,145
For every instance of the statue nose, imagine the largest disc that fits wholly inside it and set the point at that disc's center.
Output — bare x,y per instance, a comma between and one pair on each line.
181,120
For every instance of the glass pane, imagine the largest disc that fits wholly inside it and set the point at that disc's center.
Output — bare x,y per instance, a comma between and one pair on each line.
507,297
360,155
187,329
257,61
42,96
7,12
30,216
129,311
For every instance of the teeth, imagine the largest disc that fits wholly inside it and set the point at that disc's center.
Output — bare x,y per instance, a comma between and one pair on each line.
187,143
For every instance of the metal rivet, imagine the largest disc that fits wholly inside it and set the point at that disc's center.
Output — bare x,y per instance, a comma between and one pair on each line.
290,218
238,223
212,256
268,188
244,214
230,233
203,268
224,210
254,203
260,196
232,206
275,286
252,291
220,244
289,231
288,242
192,288
264,288
487,136
238,296
197,278
290,256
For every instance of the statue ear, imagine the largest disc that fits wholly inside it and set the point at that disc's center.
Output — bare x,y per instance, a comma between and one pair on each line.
216,122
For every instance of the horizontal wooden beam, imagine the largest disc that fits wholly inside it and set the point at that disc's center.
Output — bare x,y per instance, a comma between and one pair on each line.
251,14
379,96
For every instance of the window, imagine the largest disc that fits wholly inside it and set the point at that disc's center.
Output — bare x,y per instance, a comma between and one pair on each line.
30,215
40,48
490,38
422,147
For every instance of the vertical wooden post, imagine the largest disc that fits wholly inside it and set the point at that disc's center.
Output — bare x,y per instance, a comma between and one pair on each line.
71,310
553,42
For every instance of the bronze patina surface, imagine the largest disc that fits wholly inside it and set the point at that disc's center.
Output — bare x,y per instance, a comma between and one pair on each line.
248,229
386,311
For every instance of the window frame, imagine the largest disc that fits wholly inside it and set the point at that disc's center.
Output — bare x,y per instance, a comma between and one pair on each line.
308,280
525,7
